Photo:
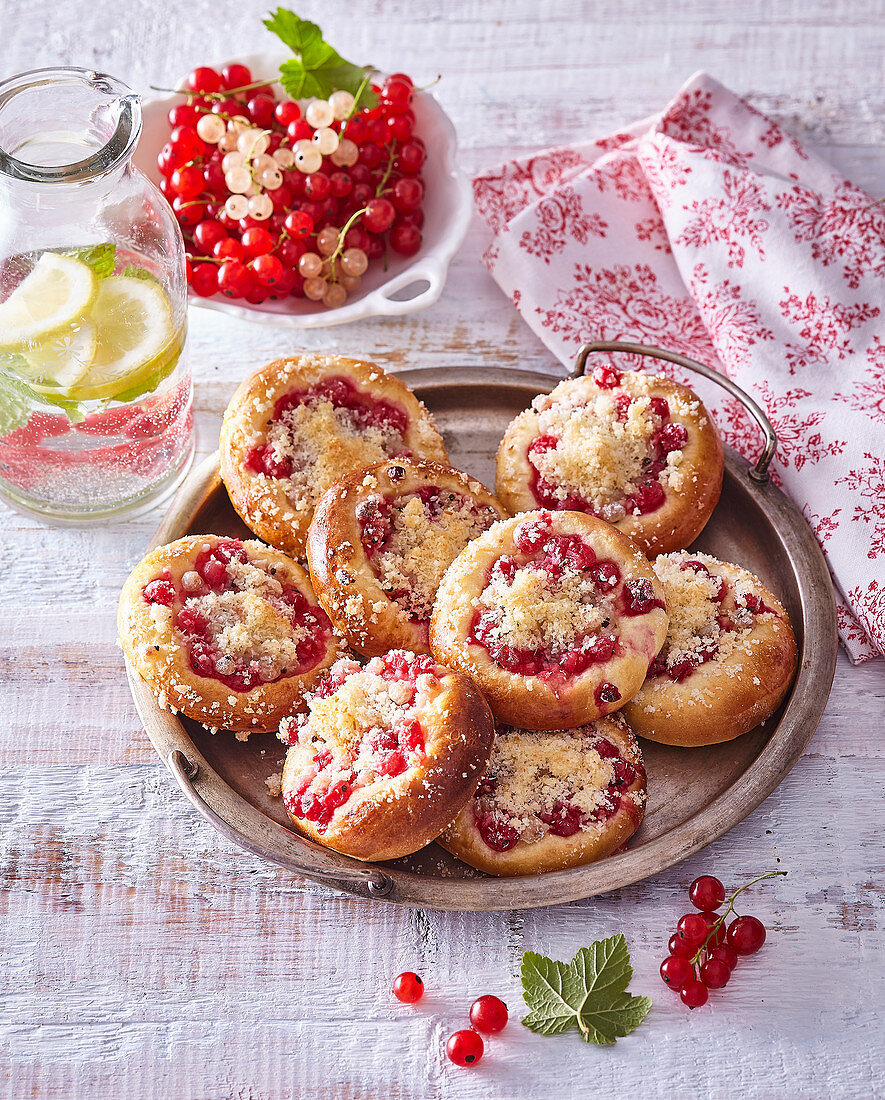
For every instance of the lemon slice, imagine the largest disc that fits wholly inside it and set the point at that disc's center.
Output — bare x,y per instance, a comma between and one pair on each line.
134,333
58,291
62,360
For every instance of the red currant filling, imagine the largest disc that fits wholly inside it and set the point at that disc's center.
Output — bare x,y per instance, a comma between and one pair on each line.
554,554
363,411
639,597
260,459
649,494
563,818
211,569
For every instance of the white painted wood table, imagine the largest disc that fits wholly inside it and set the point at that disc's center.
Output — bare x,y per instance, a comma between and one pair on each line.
141,955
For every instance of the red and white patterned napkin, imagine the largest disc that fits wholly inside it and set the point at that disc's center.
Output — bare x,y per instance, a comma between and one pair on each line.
710,231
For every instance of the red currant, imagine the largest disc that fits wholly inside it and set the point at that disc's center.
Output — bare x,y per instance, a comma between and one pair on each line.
410,158
203,80
261,110
183,114
341,184
317,186
205,280
299,224
208,233
706,893
678,946
396,95
725,954
299,130
399,127
268,269
187,181
746,935
405,239
400,78
715,974
464,1048
257,242
407,195
692,928
379,215
408,987
186,141
235,76
291,251
187,211
488,1013
228,249
234,279
718,936
676,970
370,155
287,112
694,993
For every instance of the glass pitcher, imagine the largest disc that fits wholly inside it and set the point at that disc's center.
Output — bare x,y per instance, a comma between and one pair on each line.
95,393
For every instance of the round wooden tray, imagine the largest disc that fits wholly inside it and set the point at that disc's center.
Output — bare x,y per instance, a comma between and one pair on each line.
694,795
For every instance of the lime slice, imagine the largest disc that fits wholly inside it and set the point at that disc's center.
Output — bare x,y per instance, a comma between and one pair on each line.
62,360
58,291
134,331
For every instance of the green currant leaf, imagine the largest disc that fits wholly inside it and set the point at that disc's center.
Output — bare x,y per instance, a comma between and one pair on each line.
317,69
588,993
102,258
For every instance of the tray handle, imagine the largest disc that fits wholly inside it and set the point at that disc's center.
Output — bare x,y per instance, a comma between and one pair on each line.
356,880
759,472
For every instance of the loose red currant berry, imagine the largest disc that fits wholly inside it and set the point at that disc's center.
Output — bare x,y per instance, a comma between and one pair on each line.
408,987
746,935
488,1013
183,114
694,993
399,127
692,928
706,893
204,80
228,249
715,974
464,1048
370,155
208,233
725,954
678,946
235,76
299,130
676,970
234,279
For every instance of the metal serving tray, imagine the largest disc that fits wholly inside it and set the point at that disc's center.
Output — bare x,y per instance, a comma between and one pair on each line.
694,795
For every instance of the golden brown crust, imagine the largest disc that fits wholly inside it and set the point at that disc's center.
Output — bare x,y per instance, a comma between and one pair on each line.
154,646
392,816
344,579
687,506
723,698
277,509
548,703
595,840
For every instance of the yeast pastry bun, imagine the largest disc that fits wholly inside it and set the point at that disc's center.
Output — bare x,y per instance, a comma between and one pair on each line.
386,755
636,449
728,661
296,426
555,615
554,800
227,632
381,540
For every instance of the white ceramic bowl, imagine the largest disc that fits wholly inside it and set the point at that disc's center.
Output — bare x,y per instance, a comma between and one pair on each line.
409,283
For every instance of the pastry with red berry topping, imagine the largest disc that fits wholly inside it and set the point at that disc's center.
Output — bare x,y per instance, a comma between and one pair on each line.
227,632
728,661
381,540
549,801
385,756
296,426
555,615
638,450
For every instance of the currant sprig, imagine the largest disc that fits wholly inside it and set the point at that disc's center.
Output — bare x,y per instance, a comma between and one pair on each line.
703,951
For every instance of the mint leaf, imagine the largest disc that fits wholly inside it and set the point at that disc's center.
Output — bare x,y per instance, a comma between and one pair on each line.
133,272
100,257
16,400
588,993
317,69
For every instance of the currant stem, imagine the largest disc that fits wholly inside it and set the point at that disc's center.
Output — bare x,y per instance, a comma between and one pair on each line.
340,248
720,920
391,154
